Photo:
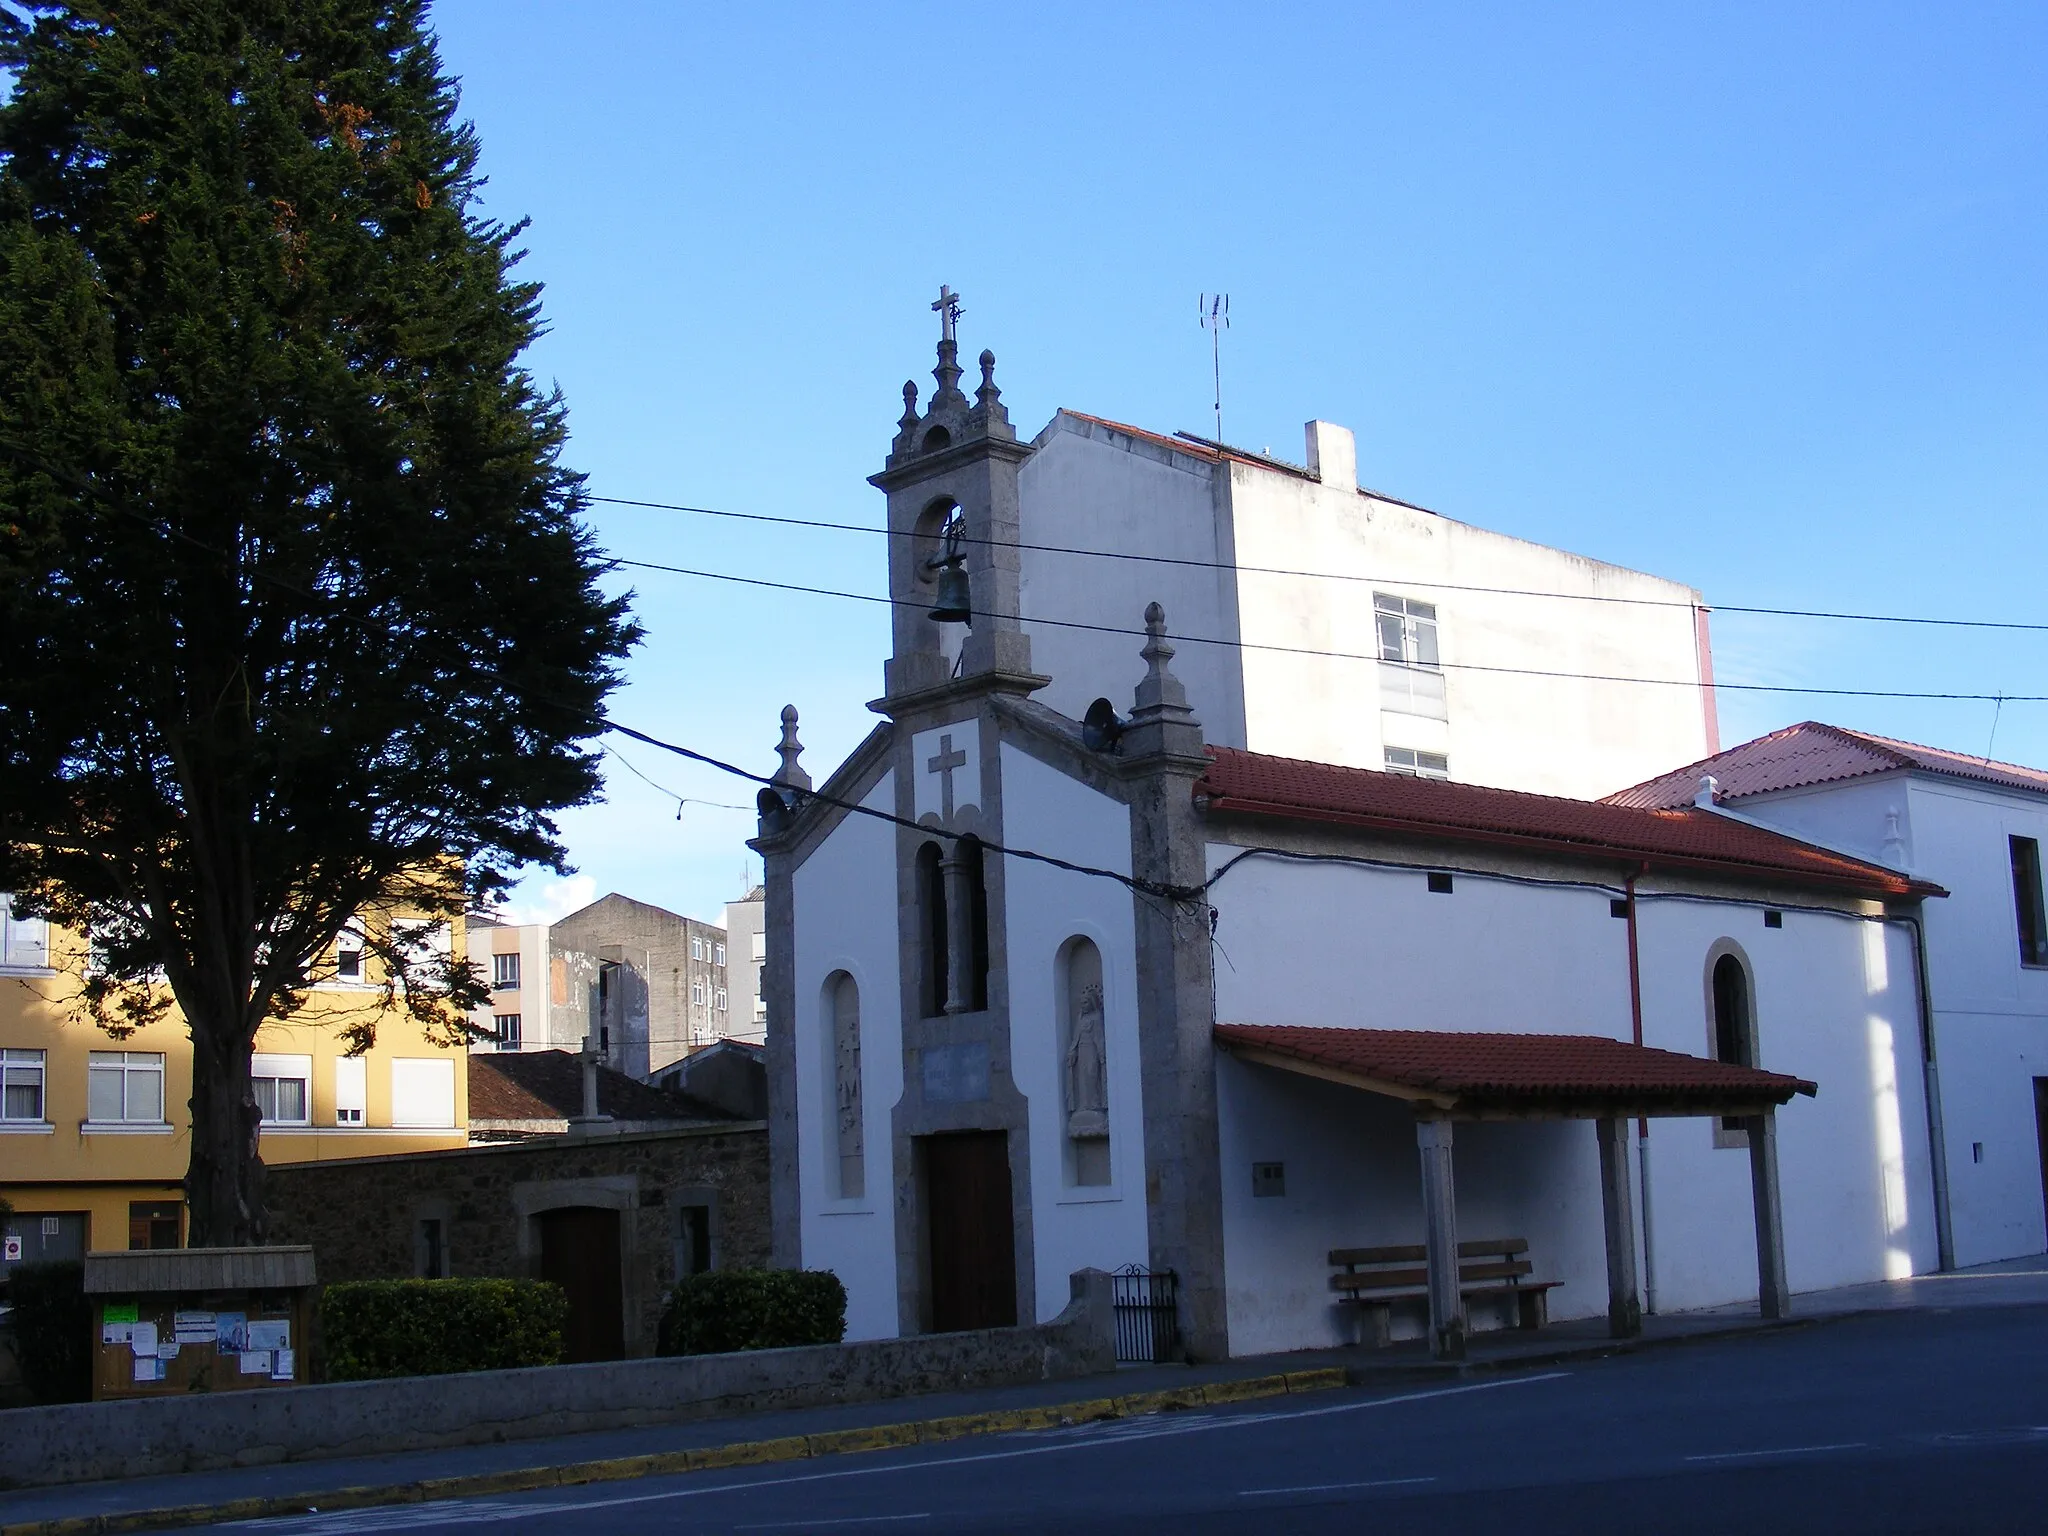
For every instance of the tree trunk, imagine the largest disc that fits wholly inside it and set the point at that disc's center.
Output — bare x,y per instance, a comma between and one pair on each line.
224,1184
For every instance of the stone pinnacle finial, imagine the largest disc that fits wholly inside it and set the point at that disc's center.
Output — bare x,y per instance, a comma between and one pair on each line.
791,750
909,418
988,390
1160,690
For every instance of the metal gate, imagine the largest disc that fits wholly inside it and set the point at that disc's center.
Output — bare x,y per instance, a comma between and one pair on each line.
1147,1306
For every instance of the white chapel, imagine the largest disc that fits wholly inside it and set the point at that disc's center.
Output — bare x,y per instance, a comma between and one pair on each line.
1206,981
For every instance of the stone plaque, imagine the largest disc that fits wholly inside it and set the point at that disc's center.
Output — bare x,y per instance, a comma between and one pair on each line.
955,1074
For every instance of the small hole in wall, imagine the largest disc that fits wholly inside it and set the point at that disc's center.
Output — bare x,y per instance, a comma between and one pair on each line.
1774,919
1618,908
1269,1179
1976,1151
1440,884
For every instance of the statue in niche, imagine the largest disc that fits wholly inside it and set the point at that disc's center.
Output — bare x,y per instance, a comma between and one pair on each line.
1087,1067
846,1072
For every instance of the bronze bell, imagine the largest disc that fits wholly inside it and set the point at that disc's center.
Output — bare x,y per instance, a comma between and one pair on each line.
953,604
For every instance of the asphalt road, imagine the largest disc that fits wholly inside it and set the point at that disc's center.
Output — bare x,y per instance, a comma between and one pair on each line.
1920,1421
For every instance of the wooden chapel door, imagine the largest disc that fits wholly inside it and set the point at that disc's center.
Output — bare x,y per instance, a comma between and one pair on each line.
972,1244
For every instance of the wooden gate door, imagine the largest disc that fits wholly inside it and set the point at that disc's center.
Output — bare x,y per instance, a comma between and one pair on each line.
579,1251
973,1250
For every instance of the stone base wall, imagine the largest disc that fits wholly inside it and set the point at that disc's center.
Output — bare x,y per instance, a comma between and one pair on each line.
363,1216
142,1437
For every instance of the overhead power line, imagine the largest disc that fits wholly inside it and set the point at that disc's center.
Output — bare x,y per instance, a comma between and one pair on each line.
1267,570
1300,650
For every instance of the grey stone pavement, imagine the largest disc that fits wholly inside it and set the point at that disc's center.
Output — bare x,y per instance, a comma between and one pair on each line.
2018,1282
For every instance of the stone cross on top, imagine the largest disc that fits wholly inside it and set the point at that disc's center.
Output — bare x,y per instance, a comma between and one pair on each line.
949,757
949,311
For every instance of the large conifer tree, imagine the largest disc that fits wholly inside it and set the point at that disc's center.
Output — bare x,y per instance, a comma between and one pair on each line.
295,615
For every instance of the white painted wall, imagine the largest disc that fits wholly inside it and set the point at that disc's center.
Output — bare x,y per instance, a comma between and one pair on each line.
1991,1012
1043,809
842,926
1090,487
1345,946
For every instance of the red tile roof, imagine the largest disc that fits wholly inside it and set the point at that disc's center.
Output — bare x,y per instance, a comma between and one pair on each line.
1253,784
1813,753
1563,1075
548,1085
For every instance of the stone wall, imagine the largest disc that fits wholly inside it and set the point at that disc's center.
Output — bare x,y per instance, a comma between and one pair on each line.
140,1437
364,1216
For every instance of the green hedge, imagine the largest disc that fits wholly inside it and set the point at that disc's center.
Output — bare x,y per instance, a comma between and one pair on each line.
724,1310
52,1330
372,1328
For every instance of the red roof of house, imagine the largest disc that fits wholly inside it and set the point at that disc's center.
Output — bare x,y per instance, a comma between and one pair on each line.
1505,1074
548,1085
1813,753
1253,784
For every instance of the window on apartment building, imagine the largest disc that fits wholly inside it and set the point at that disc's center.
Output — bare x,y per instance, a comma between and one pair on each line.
423,1093
283,1088
2026,900
124,1086
507,1026
155,1223
718,954
697,991
1407,629
24,941
696,948
718,1002
351,1089
348,955
505,972
21,1086
1418,765
1411,679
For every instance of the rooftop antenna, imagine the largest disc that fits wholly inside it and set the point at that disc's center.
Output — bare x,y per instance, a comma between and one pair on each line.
1214,309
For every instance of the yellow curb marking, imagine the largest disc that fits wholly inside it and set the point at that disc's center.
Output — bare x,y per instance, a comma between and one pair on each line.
745,1453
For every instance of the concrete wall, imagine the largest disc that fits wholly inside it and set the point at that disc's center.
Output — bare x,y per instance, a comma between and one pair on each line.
1344,946
747,1017
1991,1012
844,922
362,1217
1100,1227
144,1437
1089,486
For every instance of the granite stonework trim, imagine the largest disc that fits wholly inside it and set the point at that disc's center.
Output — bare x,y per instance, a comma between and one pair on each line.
144,1437
361,1216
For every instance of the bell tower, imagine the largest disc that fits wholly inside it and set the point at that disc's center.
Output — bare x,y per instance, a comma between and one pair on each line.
951,480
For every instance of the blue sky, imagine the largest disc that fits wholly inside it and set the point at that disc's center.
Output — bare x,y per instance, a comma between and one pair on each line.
1753,300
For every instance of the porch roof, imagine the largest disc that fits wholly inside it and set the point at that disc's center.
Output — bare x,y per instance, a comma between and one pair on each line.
1511,1076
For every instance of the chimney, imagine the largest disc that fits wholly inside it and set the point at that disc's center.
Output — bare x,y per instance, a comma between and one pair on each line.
1332,455
1708,793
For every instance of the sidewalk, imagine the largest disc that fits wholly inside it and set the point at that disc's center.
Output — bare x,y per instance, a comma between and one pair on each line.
410,1477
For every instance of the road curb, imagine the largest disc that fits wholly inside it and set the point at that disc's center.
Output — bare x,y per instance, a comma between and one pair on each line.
745,1453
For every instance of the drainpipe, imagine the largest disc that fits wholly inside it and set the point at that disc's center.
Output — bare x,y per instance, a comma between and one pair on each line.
1937,1135
1635,1010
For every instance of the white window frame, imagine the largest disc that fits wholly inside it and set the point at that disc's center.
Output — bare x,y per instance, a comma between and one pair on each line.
718,954
719,1000
504,975
696,991
273,1068
1412,625
123,1066
696,946
1410,762
517,1038
17,1069
350,943
24,941
351,1091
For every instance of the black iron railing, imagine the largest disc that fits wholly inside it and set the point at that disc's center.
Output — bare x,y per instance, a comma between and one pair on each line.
1147,1306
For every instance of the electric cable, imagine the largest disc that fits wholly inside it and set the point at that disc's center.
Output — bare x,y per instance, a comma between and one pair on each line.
1295,650
1264,570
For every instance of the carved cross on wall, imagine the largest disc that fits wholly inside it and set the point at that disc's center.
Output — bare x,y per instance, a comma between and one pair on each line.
949,757
949,311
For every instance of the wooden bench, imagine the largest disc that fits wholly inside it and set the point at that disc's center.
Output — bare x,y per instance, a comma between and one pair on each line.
1376,1278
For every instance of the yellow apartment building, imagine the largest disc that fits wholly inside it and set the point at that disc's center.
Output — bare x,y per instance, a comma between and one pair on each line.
95,1133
